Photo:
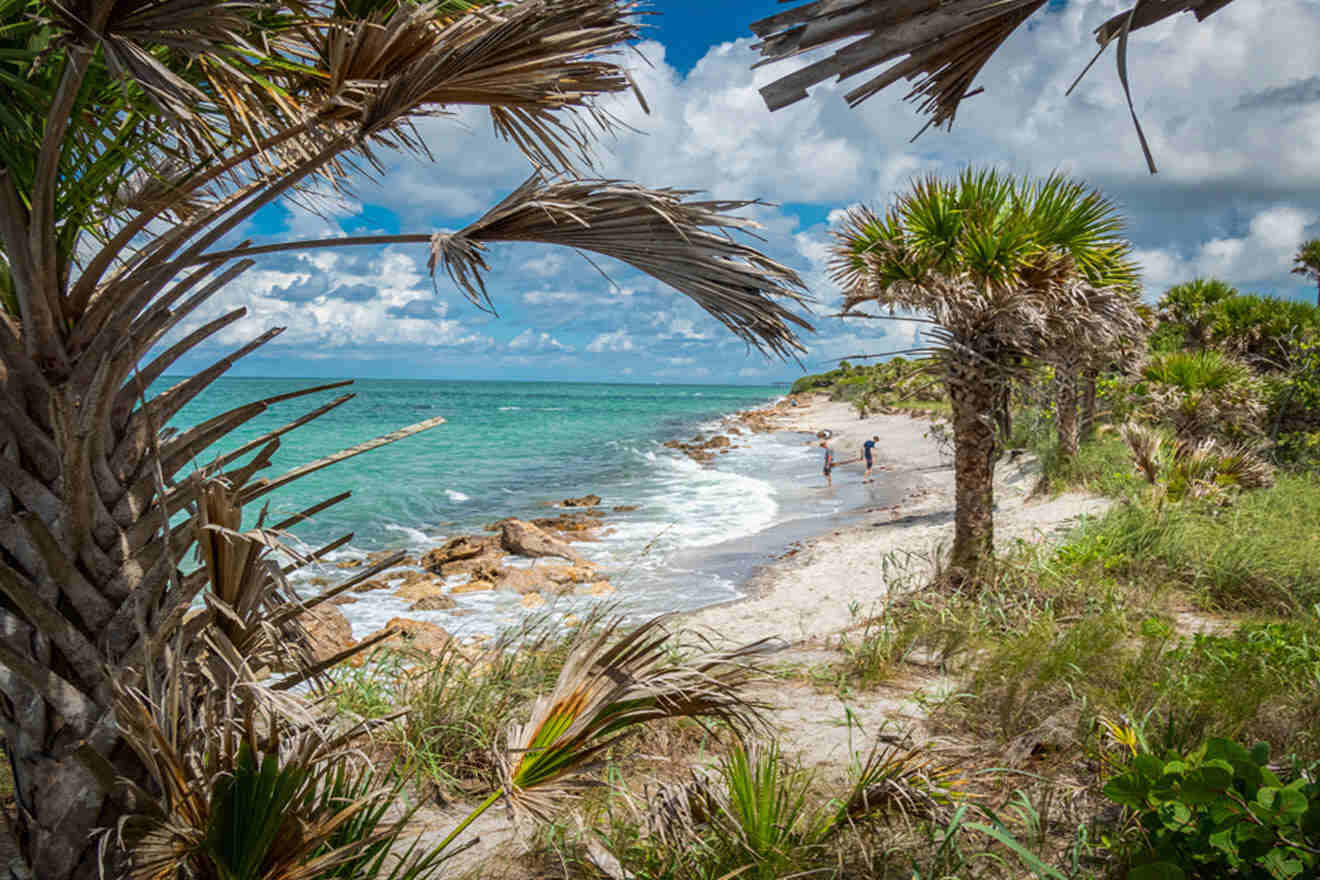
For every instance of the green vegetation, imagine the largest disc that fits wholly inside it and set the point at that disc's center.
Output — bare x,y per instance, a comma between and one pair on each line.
1219,811
895,383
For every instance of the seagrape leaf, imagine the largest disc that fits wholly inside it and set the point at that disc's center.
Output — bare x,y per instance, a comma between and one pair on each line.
1157,871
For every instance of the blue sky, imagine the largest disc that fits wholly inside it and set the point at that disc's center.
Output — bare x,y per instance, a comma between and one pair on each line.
1230,106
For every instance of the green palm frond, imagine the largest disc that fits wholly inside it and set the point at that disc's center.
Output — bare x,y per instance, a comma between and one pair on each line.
609,686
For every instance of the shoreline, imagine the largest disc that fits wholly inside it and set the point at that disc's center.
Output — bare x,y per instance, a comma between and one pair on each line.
846,571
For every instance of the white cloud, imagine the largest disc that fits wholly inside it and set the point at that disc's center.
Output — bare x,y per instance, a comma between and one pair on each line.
530,341
617,340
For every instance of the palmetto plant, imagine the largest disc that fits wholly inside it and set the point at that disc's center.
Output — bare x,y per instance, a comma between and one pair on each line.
939,47
136,140
1307,263
994,264
1201,395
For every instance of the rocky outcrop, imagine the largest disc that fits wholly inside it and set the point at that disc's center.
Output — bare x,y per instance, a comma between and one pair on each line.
572,526
417,590
585,501
545,578
702,449
417,635
461,553
624,508
521,538
373,584
328,630
439,602
473,586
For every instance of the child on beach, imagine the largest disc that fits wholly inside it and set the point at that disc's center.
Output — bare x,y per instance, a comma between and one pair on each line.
867,448
829,462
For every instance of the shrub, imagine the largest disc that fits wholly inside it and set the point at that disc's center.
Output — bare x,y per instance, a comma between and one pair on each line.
1200,395
1219,811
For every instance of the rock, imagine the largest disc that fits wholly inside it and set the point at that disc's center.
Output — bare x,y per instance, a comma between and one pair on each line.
533,600
417,635
328,630
735,430
382,555
319,582
368,586
399,575
414,591
433,603
573,526
568,574
473,586
524,539
624,508
522,580
461,612
585,501
599,588
349,563
455,550
344,599
720,442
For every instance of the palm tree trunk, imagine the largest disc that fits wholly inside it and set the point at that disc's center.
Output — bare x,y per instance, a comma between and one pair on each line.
1090,378
974,399
1065,383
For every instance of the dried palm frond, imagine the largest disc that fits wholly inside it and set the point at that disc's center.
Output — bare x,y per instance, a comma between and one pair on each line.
940,46
906,781
526,61
1147,445
608,686
659,232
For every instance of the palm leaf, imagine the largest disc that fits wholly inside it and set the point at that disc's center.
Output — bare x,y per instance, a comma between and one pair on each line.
940,46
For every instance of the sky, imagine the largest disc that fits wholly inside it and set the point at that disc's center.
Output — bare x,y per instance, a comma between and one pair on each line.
1231,107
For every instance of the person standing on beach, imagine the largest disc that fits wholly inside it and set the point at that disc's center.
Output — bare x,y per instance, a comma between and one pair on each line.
829,462
868,449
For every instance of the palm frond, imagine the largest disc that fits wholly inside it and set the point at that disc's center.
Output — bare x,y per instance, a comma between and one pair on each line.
608,686
940,47
681,242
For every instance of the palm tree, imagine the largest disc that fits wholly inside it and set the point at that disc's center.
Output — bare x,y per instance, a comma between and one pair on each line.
942,46
1307,263
1190,305
1086,227
980,256
137,139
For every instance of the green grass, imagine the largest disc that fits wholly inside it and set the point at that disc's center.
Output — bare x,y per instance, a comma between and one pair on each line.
1260,553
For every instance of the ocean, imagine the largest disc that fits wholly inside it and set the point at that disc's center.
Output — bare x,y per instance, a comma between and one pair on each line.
512,449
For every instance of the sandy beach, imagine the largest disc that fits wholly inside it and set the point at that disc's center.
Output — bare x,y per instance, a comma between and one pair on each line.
821,588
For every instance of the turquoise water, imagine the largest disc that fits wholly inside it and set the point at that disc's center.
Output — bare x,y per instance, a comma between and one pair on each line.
505,447
511,448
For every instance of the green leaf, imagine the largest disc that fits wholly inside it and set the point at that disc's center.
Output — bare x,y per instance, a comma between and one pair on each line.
1157,871
1028,858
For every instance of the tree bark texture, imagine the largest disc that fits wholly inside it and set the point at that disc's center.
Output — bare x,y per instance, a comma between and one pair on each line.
1090,379
1065,385
974,399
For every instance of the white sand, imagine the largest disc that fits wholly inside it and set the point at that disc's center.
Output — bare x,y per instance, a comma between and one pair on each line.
822,589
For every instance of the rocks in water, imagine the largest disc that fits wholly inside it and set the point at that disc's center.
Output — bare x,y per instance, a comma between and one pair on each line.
585,501
599,588
701,449
533,600
539,578
473,586
349,563
415,591
524,539
433,603
328,630
368,586
573,526
345,599
450,556
624,508
417,635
